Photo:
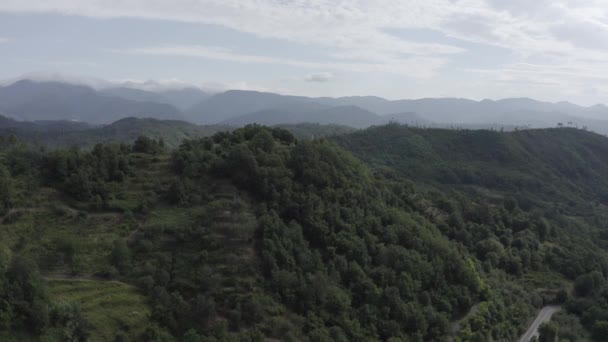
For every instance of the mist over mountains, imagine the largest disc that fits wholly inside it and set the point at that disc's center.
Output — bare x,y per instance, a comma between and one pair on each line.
55,100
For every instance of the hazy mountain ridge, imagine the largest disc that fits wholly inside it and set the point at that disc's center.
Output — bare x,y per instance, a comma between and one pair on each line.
436,112
354,116
182,99
28,100
234,103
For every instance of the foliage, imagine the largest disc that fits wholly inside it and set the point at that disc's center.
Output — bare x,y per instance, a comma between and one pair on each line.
391,233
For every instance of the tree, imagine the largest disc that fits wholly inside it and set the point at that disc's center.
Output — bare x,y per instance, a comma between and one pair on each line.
144,144
6,190
121,256
262,140
600,330
26,293
548,332
587,283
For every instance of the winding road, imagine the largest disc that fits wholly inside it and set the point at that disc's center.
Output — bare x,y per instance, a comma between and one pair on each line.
543,316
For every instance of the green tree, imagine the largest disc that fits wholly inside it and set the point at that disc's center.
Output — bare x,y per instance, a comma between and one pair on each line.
26,293
587,283
600,330
121,256
7,192
548,332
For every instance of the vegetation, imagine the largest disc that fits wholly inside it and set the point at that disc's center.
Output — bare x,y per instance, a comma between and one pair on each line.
390,233
67,134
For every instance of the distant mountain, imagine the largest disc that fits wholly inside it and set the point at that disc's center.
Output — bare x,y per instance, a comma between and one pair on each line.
241,107
27,100
133,94
182,99
345,115
33,101
235,103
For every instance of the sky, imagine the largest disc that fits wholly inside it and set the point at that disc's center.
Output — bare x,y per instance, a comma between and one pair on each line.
548,50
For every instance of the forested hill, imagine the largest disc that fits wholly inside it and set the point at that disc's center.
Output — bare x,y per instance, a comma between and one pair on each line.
385,234
550,164
557,176
65,134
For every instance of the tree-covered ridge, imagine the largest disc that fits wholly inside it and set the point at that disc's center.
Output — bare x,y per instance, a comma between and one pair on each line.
545,163
348,254
254,234
66,134
551,182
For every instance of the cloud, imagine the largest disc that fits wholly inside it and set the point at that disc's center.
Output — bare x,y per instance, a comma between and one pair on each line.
3,40
412,66
564,40
52,76
320,77
591,35
175,83
153,85
148,85
350,27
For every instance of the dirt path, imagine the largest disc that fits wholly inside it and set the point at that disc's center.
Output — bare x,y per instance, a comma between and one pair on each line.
13,211
456,324
543,316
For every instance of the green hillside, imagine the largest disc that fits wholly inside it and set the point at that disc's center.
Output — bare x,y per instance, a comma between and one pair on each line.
384,234
65,134
122,131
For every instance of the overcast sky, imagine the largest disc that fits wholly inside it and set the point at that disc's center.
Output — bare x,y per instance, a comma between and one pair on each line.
549,50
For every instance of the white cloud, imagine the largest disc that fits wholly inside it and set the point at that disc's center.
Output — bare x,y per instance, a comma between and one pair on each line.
51,76
354,27
174,83
148,85
3,40
412,66
320,77
152,85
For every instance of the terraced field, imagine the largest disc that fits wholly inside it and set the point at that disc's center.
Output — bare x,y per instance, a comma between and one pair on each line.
109,306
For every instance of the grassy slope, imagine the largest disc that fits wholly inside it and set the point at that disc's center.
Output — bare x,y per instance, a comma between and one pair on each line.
109,306
72,242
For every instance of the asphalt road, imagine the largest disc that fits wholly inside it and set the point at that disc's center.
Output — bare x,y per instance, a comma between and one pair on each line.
543,316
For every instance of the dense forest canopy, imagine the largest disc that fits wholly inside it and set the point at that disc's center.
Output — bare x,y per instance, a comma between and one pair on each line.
386,234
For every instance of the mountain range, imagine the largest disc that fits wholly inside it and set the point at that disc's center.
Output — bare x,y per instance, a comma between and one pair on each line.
35,101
